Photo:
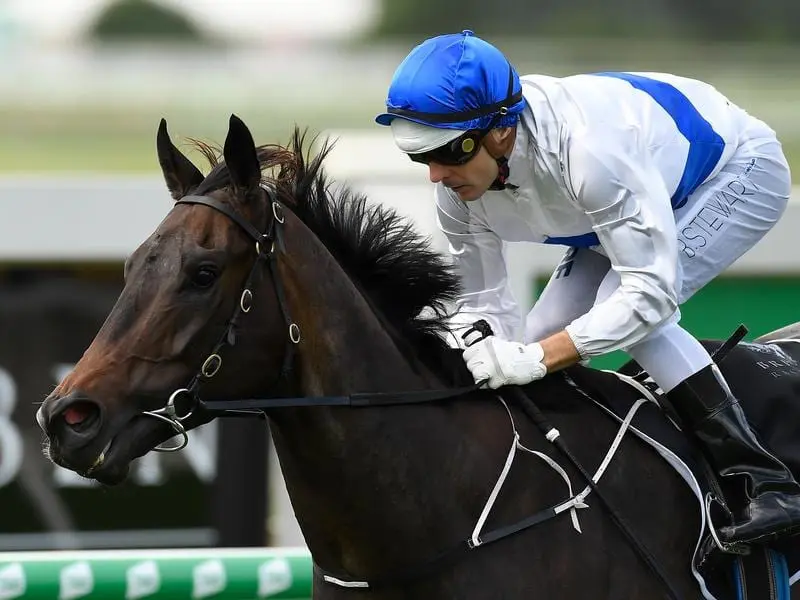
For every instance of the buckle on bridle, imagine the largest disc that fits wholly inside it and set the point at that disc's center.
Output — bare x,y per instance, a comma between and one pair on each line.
211,366
265,241
277,212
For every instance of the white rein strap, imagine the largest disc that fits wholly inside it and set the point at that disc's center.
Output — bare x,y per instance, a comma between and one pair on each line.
575,501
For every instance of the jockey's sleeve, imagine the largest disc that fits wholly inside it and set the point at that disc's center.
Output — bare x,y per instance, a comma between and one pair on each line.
628,204
478,255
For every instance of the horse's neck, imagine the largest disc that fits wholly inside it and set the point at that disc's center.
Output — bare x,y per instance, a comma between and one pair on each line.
354,474
346,347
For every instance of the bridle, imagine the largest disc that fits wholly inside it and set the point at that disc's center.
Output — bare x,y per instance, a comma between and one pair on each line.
266,245
186,402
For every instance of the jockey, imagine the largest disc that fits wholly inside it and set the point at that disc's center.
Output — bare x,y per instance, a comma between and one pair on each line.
655,183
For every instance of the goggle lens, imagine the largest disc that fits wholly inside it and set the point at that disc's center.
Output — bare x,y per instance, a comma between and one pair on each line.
457,152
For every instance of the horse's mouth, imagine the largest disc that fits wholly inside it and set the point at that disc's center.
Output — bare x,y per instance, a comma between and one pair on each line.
104,470
138,437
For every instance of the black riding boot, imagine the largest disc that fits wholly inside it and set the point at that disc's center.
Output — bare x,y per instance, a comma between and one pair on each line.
707,407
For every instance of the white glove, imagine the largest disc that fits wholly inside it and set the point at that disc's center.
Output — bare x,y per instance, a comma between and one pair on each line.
503,362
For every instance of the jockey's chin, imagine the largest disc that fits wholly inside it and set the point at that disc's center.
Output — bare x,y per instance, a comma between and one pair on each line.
469,192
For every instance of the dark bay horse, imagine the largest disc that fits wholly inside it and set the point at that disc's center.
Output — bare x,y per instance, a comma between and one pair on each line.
340,297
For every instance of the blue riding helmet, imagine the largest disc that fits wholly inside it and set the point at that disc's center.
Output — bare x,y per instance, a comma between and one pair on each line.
455,81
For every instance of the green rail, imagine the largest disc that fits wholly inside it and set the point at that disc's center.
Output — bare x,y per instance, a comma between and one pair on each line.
191,574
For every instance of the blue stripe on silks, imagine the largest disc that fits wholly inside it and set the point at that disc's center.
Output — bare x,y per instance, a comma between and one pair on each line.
575,241
705,144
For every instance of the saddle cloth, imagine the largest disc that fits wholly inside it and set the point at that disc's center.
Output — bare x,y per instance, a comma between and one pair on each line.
765,377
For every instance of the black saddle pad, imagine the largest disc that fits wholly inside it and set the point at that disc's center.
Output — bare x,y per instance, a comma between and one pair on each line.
765,378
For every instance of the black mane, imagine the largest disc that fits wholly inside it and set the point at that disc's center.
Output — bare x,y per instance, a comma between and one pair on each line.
408,283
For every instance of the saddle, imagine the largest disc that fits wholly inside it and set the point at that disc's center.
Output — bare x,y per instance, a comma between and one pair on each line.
765,378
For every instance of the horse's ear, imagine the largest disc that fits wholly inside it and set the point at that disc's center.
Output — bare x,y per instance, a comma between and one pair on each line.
241,157
179,172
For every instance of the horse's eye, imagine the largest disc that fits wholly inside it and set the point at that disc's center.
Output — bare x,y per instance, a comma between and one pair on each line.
205,276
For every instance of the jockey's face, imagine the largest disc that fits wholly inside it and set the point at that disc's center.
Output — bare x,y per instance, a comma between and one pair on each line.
473,178
470,180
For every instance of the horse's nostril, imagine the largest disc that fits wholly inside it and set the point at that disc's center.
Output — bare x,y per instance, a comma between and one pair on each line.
81,416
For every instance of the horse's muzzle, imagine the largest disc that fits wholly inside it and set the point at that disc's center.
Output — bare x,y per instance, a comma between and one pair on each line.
72,424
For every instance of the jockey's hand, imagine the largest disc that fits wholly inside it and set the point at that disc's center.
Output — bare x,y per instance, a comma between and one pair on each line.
503,362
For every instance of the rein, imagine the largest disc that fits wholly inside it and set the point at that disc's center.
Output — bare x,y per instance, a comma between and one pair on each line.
185,402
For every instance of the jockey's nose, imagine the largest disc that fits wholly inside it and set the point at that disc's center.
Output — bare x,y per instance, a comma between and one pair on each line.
436,172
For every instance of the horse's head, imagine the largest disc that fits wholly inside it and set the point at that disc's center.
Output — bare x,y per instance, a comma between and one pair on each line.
187,288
